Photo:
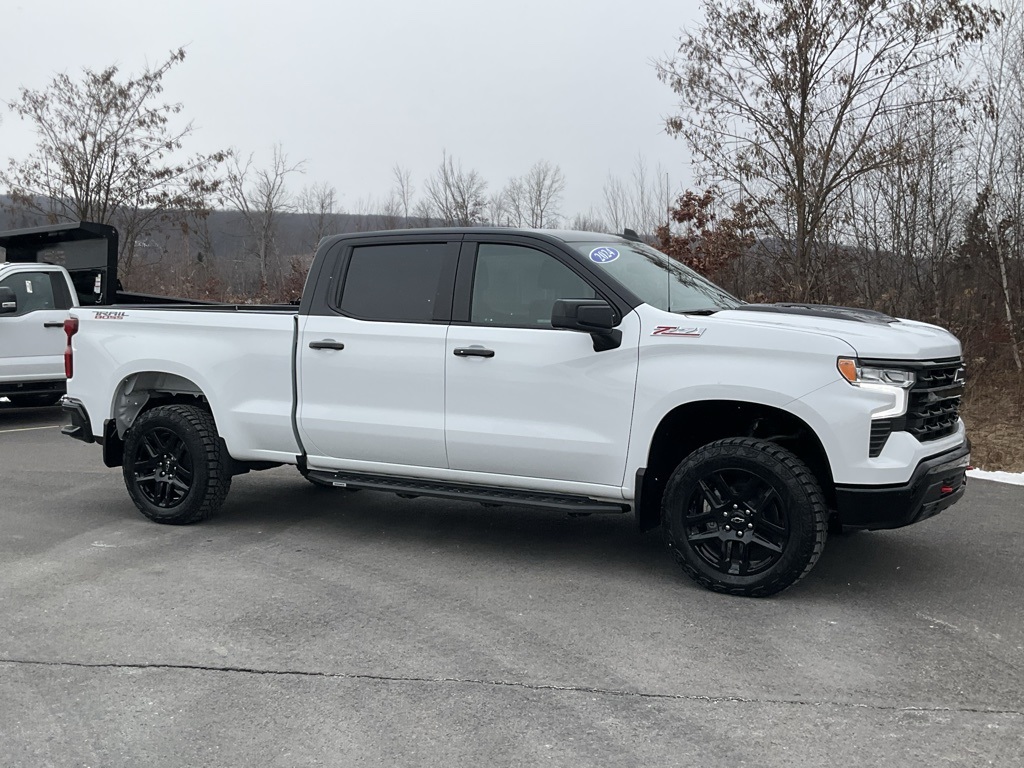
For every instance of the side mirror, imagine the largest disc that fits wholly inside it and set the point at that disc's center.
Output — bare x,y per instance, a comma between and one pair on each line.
583,315
593,316
8,301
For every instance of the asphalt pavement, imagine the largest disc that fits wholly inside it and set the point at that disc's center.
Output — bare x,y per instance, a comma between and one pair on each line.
304,626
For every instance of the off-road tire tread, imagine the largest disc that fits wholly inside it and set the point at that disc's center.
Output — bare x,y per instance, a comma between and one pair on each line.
218,479
802,476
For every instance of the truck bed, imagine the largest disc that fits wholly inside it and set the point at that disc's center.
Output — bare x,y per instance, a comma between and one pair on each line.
239,356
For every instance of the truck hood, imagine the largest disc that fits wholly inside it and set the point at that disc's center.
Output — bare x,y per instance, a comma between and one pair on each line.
871,334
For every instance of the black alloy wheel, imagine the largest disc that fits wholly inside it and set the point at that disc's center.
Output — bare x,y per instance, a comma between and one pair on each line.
163,467
735,521
744,516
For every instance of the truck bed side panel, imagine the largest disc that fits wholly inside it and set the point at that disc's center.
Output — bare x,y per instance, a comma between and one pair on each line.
240,361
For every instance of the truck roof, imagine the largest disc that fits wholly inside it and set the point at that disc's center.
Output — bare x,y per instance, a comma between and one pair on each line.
564,235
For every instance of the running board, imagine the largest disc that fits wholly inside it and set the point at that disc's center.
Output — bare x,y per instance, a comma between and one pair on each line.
411,487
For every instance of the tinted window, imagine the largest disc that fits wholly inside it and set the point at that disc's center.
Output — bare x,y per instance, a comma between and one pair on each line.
403,283
518,286
34,291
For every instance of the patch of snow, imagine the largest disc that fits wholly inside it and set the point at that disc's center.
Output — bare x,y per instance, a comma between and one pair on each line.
1014,478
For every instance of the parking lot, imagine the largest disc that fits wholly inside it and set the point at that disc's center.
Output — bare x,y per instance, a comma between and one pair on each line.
304,626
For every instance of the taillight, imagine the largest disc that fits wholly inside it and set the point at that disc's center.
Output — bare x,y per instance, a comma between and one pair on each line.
70,329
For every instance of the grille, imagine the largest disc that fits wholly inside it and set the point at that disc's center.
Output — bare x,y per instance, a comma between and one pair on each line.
933,405
935,400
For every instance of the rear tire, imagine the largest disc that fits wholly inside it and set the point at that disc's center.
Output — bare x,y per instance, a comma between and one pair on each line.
745,517
174,466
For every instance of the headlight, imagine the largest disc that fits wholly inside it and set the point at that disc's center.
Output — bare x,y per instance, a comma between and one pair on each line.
894,382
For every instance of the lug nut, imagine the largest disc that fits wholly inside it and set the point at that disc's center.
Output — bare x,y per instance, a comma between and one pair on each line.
728,528
750,525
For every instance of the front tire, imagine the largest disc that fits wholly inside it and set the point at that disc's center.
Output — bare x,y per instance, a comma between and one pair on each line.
745,517
174,466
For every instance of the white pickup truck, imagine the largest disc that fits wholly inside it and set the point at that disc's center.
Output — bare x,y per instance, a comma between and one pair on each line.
44,273
34,303
570,370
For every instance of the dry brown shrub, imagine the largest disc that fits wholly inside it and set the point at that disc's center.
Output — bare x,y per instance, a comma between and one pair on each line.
993,410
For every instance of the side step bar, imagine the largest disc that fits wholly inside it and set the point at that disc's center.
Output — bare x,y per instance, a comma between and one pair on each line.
411,487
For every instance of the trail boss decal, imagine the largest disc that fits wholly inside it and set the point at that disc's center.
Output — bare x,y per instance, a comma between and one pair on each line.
675,330
109,315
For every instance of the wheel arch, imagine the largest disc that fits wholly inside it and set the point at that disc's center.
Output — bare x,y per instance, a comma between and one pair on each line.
687,427
140,392
143,391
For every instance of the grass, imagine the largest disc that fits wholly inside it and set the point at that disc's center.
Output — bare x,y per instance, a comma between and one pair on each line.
993,410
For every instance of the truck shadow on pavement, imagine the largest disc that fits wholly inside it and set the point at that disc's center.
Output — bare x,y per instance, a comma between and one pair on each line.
862,561
455,526
13,417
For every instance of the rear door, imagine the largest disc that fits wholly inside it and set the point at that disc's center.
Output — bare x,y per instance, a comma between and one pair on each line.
523,398
371,356
32,339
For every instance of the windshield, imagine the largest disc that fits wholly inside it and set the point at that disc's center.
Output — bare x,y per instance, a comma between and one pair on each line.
657,279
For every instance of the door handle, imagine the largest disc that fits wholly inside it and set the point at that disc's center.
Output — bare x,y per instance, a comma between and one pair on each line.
326,344
473,352
53,324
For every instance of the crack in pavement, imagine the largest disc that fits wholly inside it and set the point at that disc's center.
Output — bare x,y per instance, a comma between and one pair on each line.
508,684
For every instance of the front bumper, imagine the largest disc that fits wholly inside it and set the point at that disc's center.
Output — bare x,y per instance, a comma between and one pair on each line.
937,483
78,425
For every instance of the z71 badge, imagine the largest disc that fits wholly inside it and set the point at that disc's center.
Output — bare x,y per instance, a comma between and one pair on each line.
109,315
675,330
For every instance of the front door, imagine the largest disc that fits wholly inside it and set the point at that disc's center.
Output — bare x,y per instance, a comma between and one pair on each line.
528,400
32,339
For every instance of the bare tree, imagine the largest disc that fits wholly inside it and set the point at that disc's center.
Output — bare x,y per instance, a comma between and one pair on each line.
1000,167
261,196
423,213
533,200
458,197
107,152
498,209
782,99
616,204
590,221
402,190
369,213
642,204
320,204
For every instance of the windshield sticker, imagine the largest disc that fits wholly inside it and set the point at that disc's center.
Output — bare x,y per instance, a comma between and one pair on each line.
675,330
603,255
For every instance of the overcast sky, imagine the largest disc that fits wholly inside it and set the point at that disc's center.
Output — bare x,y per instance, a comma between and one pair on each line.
353,88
